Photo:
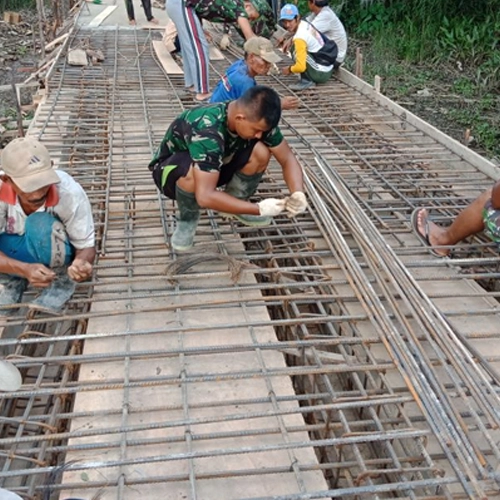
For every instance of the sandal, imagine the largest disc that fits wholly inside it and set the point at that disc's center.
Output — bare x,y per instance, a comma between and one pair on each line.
204,99
424,238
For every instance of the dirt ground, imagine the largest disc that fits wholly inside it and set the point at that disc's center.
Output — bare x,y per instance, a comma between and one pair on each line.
425,91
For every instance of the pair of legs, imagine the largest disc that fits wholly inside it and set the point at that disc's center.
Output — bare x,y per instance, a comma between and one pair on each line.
241,177
312,75
45,242
476,217
194,47
146,5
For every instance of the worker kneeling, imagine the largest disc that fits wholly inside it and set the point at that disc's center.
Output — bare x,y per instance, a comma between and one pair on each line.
47,236
227,144
314,54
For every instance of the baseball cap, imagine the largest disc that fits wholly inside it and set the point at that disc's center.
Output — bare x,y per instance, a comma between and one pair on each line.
289,11
27,162
261,47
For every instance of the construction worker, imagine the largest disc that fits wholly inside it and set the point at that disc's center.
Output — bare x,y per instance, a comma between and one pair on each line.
187,16
46,227
261,16
326,21
226,144
146,5
483,214
308,46
240,76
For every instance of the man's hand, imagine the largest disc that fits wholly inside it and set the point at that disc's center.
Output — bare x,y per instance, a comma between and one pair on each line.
286,71
296,203
80,270
225,42
39,276
271,207
289,102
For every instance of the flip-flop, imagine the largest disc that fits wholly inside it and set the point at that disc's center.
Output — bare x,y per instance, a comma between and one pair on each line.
424,238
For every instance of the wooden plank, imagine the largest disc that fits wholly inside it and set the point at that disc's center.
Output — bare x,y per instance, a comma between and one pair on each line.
166,60
151,26
103,15
51,45
214,53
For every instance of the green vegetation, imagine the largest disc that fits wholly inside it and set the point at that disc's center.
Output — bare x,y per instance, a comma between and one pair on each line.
16,5
449,48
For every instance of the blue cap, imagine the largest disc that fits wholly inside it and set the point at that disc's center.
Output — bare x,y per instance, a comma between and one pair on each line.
289,11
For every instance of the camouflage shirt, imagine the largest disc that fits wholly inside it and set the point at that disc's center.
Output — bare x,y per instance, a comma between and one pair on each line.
203,131
218,11
265,24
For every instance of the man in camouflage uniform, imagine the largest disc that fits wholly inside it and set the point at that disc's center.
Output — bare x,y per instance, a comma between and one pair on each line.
226,144
188,16
483,214
262,20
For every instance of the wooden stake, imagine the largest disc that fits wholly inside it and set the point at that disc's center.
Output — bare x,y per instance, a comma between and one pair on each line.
376,84
20,130
467,136
359,63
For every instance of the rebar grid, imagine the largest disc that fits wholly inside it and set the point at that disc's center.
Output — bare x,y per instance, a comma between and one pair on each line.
147,356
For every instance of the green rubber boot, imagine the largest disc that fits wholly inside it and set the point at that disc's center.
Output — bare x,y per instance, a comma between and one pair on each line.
187,220
243,186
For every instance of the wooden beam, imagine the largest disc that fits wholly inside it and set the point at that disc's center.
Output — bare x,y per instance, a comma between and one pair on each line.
103,15
166,60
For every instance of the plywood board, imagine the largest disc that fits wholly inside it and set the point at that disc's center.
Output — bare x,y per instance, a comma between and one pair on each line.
166,60
103,15
214,53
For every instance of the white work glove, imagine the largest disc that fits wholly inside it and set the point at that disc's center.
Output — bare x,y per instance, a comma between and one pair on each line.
296,203
225,42
271,207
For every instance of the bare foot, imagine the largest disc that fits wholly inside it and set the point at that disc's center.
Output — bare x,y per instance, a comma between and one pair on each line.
431,232
154,20
131,22
190,89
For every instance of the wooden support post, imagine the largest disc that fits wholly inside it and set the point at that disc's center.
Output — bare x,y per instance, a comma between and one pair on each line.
359,63
467,136
19,113
376,83
41,23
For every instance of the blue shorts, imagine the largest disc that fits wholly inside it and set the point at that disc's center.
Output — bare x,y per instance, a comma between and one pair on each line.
44,242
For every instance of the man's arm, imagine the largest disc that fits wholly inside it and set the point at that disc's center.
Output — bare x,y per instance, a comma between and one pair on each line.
296,203
292,171
289,102
82,266
38,275
299,65
245,27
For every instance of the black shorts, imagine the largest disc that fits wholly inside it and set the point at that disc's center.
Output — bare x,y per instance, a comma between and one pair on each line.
167,172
